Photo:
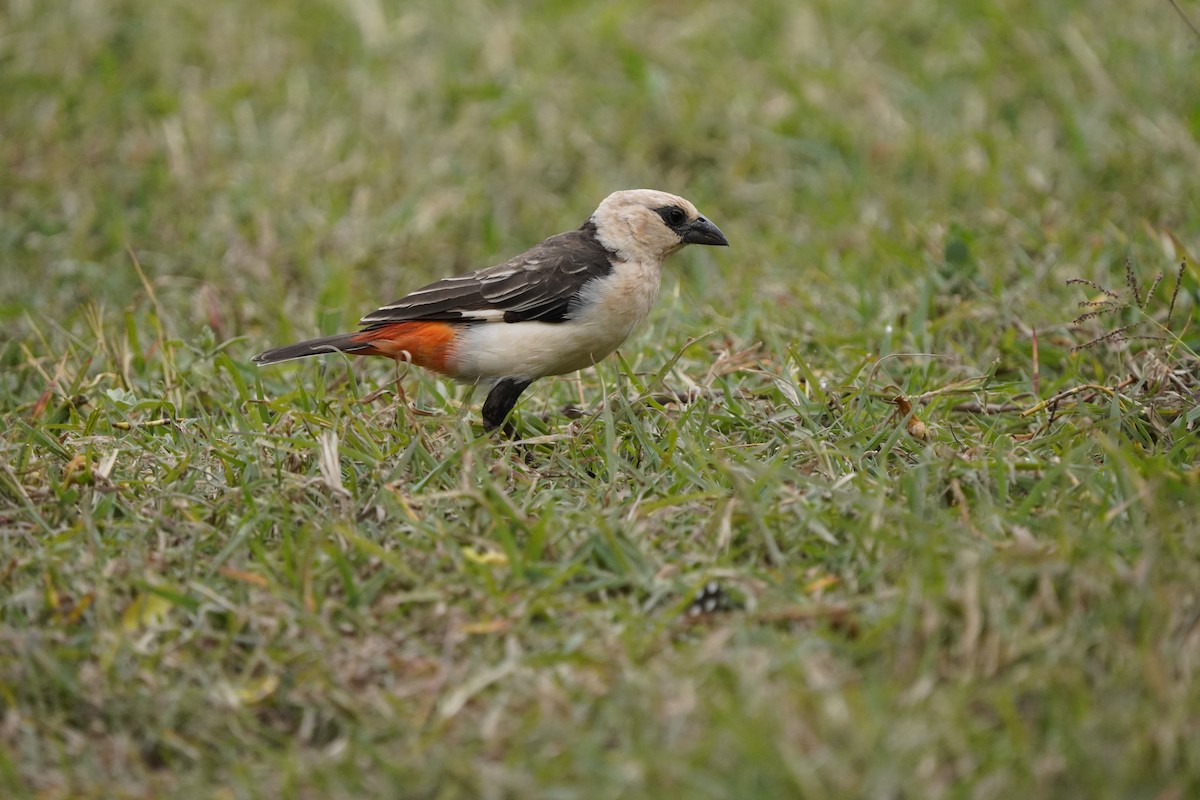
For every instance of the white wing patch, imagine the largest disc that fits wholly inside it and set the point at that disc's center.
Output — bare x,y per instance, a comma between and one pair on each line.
483,315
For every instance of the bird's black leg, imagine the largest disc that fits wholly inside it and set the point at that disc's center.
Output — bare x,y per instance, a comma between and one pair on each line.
500,401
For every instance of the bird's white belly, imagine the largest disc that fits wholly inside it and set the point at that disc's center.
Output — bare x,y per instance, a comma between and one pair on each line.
609,310
533,349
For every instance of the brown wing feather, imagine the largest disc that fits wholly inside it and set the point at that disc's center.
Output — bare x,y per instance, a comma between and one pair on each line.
540,284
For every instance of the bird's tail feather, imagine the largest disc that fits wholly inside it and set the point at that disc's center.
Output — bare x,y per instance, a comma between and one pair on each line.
421,342
342,342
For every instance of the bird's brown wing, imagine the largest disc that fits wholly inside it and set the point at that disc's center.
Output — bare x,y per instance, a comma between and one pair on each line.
540,284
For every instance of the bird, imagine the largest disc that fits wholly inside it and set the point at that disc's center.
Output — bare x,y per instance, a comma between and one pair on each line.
561,306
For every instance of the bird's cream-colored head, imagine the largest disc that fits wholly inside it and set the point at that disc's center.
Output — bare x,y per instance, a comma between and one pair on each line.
647,225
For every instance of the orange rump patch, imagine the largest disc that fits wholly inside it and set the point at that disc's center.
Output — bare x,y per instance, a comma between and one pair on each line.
426,344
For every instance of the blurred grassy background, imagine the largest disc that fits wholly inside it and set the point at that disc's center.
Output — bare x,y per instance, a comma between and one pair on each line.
288,591
270,155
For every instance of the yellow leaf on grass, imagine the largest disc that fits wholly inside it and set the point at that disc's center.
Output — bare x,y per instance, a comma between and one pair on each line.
488,557
146,609
72,615
256,691
821,584
50,595
243,576
76,466
487,626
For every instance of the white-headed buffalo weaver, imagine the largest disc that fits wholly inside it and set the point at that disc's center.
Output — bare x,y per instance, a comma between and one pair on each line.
561,306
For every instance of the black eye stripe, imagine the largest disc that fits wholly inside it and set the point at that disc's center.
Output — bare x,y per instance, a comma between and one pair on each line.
673,216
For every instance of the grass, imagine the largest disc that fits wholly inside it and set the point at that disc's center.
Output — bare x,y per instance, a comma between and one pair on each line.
958,547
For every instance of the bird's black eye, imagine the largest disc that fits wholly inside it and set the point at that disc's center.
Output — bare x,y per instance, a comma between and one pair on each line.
673,216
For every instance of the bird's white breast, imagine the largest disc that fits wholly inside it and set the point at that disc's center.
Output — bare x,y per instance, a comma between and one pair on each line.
608,311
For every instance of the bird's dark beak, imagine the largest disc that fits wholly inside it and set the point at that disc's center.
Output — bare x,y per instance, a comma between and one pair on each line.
704,232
